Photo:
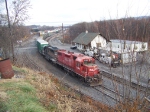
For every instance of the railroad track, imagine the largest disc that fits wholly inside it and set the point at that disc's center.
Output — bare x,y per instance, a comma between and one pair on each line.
109,96
24,60
113,94
120,84
110,93
125,82
30,63
53,41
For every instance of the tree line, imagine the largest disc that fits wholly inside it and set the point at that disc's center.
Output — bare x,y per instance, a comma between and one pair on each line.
136,29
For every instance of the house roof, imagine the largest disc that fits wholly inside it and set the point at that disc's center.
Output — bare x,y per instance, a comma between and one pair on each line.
85,38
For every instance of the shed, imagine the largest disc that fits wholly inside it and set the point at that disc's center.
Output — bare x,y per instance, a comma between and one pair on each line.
88,40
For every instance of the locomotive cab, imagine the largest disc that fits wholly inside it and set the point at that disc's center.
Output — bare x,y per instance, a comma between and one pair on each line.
89,70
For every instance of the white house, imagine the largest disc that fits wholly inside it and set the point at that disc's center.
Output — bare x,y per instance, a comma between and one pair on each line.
127,49
128,46
89,40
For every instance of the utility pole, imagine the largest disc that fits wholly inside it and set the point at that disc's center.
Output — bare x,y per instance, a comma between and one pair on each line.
63,32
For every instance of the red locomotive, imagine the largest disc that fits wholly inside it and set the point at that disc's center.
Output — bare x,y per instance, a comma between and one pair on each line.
80,65
75,64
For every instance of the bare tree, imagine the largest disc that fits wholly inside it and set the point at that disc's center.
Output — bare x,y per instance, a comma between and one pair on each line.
17,14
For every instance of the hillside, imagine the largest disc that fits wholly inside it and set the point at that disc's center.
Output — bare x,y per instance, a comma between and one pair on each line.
136,29
30,91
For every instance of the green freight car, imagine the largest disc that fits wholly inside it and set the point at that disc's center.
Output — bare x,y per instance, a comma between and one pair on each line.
40,45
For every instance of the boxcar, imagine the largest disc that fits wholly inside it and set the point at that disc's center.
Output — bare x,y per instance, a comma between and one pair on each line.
40,45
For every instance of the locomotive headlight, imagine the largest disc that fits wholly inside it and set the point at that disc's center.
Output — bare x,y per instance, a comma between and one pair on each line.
91,69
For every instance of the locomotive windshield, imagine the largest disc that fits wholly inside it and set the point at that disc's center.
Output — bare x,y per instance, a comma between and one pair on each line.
88,62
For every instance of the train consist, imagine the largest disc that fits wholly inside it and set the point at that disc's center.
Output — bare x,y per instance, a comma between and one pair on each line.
75,64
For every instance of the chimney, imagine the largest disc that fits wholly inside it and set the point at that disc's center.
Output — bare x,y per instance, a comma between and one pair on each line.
86,31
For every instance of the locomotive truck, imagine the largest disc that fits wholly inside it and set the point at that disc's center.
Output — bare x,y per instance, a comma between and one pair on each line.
75,64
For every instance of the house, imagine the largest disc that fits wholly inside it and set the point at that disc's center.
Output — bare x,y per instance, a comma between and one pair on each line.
88,40
126,48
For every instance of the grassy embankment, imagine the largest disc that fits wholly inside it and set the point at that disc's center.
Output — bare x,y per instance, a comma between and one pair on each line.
40,92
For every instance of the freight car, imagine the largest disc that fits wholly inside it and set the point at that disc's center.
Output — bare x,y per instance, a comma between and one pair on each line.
75,64
40,45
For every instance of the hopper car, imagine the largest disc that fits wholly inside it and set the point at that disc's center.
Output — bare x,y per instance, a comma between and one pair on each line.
75,64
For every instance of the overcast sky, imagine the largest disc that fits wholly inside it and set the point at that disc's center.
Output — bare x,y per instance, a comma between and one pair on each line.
56,12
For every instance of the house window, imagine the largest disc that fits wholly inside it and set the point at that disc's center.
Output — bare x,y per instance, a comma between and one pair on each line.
124,46
98,45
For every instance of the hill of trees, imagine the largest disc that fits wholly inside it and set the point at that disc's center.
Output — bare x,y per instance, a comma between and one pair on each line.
136,29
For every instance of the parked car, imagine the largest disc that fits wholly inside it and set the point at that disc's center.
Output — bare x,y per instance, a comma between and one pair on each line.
73,47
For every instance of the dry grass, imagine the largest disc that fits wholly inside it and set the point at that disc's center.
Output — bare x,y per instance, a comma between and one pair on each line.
56,97
64,99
